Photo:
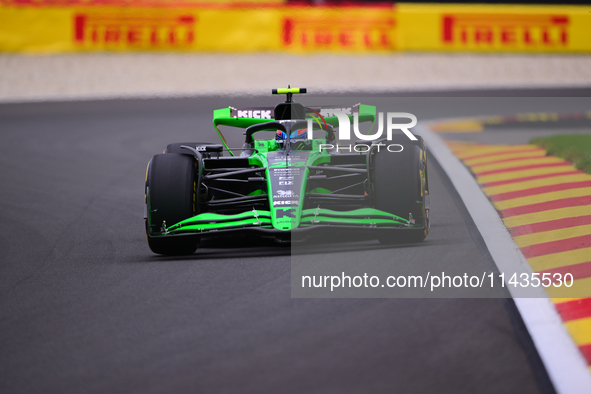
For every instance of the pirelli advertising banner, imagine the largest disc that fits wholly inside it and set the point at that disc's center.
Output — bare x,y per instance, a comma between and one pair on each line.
50,26
79,25
84,26
494,28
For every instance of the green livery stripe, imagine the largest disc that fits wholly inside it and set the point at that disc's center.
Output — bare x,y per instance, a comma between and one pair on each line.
356,213
365,217
206,218
226,225
358,217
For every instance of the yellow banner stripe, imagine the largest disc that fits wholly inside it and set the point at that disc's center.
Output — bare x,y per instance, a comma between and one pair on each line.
517,163
546,216
479,149
458,151
580,330
456,143
464,126
461,149
504,176
556,180
544,197
563,300
562,259
455,27
580,288
552,235
243,26
488,149
492,159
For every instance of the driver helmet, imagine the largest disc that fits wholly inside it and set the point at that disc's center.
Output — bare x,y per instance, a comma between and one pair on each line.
300,133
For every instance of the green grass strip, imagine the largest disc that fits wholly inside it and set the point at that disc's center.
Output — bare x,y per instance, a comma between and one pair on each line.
574,148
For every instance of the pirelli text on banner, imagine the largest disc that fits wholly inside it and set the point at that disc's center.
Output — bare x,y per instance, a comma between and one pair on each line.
200,26
494,28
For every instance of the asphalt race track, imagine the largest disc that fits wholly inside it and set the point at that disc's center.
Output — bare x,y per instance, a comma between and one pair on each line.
86,307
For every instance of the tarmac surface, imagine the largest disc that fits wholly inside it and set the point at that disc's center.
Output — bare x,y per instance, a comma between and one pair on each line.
86,307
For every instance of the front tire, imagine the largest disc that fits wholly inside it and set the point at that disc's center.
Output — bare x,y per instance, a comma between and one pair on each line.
400,186
171,196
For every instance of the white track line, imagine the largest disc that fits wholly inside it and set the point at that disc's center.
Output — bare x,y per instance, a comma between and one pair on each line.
563,360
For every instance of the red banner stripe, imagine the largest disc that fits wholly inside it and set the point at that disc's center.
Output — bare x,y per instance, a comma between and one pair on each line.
584,241
578,271
539,190
530,178
574,310
550,225
586,350
546,206
521,168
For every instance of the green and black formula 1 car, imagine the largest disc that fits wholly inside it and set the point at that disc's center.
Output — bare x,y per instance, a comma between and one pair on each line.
296,182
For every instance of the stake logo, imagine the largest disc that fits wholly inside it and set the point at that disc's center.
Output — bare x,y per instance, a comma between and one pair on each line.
506,30
153,31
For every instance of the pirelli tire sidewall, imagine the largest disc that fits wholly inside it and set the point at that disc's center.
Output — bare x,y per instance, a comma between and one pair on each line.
399,186
171,196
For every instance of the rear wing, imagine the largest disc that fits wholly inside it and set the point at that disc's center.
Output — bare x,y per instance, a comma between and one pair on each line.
248,116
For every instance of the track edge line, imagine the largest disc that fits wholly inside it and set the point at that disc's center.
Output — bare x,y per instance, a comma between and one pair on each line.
562,359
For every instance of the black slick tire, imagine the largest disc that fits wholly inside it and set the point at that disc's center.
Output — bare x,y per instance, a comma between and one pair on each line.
171,191
399,187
